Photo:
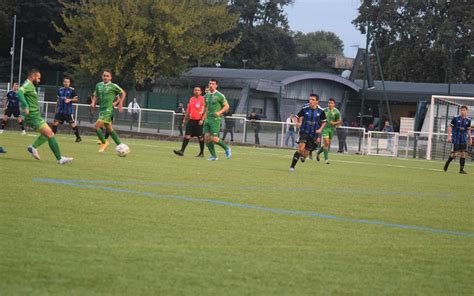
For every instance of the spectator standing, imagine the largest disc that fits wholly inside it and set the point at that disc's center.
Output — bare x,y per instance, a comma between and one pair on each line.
179,118
134,110
229,126
290,129
388,129
341,137
254,118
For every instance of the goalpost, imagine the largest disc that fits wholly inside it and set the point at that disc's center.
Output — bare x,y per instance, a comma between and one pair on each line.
441,112
382,143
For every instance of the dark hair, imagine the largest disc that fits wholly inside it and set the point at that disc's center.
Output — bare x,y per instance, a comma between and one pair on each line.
68,78
331,99
198,87
108,71
214,81
464,107
314,96
33,71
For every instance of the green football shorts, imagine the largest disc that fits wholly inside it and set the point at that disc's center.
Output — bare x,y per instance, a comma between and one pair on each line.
212,126
327,133
34,120
106,115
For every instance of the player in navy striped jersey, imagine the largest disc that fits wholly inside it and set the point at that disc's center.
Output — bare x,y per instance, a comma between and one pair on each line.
12,107
64,111
459,134
311,121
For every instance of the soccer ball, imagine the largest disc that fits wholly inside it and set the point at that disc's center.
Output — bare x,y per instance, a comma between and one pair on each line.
122,150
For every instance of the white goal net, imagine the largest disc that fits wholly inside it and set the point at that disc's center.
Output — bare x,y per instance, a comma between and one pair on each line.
382,143
440,113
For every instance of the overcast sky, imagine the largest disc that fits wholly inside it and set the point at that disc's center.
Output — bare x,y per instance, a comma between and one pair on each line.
328,15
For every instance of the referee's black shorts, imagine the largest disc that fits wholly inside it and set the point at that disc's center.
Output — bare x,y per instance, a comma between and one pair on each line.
193,128
459,148
308,140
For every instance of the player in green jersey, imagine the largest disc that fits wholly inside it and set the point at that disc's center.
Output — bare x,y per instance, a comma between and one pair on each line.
29,104
106,91
215,105
333,118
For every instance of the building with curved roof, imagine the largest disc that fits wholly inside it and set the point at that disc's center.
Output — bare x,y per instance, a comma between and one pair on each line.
273,93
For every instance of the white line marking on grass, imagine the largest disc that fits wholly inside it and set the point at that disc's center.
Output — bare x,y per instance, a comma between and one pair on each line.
280,155
261,208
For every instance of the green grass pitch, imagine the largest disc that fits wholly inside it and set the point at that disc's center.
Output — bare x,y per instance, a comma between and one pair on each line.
157,224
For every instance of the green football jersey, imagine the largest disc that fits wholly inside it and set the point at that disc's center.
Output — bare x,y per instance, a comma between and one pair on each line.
28,97
214,103
333,115
106,94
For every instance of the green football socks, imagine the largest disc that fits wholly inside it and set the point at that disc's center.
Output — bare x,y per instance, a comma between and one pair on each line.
115,137
40,141
53,144
100,135
326,154
212,149
222,144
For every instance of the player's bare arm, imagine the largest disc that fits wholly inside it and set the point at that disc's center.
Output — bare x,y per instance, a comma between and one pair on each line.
185,119
299,122
72,100
204,116
93,100
321,128
336,123
450,131
469,136
122,99
223,110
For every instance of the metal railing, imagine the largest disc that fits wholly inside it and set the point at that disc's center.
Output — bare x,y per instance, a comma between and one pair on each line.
415,145
234,129
382,143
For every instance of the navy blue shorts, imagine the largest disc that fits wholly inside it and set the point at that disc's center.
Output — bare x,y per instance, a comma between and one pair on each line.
69,118
12,111
309,140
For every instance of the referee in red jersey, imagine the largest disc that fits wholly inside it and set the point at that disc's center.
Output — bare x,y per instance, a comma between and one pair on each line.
194,114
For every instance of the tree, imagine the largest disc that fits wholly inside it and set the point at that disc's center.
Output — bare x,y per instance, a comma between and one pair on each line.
266,41
142,39
34,23
318,43
264,47
417,38
261,12
314,50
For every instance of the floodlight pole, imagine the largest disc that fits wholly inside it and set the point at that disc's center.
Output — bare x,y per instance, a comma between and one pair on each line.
366,73
21,61
12,50
379,63
450,68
